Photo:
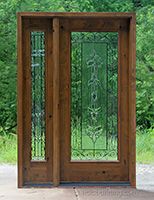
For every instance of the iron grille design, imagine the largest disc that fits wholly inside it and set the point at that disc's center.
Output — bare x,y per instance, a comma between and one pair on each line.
38,95
94,107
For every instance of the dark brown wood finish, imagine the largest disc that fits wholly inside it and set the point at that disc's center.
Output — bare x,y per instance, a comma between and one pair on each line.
56,143
132,101
77,171
115,15
32,172
58,168
20,104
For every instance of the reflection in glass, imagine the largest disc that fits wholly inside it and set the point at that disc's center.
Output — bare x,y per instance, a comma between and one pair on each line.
94,67
38,96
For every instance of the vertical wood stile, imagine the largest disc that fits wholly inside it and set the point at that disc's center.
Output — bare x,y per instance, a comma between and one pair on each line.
132,101
58,166
123,101
20,104
56,146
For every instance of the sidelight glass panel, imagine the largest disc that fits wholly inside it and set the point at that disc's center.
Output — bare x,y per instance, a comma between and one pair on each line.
38,96
94,101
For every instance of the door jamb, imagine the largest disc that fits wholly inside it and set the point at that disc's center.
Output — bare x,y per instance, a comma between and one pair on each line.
131,88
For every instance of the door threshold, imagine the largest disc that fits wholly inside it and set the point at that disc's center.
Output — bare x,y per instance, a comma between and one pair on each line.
78,184
95,184
38,185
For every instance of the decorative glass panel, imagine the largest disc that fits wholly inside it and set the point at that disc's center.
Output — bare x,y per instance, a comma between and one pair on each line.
38,95
94,69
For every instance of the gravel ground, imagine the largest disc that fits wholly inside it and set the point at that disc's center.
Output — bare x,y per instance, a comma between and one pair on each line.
145,188
145,176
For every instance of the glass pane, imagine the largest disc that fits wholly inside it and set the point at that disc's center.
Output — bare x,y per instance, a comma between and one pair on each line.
94,69
38,97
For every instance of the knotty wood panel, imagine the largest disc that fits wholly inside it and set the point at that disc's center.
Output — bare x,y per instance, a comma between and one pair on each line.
20,104
58,165
77,171
78,14
56,144
132,101
31,172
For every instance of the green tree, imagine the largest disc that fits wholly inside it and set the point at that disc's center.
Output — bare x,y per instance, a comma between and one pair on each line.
145,50
145,67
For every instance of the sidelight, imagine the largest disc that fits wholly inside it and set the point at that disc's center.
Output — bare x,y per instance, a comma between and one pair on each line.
38,96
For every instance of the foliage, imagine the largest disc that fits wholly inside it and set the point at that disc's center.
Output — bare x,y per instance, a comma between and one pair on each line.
8,149
145,50
145,146
7,97
145,67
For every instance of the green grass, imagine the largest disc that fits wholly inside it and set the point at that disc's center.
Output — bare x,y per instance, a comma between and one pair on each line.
8,149
145,147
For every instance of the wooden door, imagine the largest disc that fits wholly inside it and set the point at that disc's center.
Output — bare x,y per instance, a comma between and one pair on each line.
94,136
76,98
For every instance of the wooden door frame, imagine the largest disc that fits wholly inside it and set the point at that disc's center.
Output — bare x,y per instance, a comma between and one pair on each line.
131,76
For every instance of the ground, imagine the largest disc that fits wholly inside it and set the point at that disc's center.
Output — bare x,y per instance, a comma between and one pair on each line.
145,188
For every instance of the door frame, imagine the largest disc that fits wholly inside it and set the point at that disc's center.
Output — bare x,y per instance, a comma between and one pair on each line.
131,87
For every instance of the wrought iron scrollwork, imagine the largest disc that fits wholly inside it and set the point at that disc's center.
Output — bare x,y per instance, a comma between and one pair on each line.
94,96
38,95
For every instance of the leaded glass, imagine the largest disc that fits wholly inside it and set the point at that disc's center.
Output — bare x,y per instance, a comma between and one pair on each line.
94,107
38,95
